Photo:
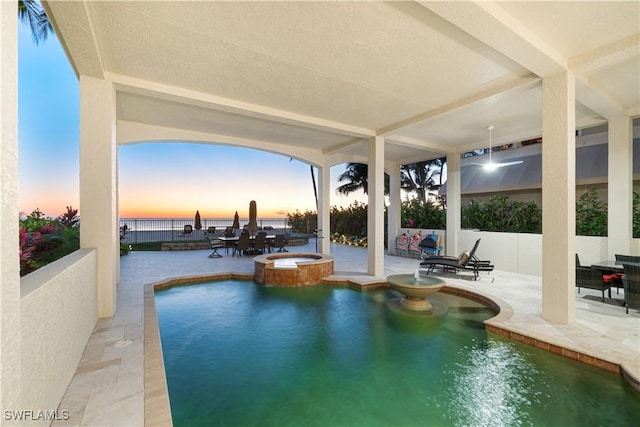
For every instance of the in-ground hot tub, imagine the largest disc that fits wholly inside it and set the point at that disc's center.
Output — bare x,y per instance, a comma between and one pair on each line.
292,269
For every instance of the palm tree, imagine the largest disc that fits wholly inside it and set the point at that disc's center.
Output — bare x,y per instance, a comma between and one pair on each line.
31,13
417,177
420,177
356,177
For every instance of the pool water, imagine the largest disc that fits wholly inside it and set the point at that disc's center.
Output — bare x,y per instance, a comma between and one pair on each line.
241,354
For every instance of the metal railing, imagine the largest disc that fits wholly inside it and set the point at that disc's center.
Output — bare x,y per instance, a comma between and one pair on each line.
143,230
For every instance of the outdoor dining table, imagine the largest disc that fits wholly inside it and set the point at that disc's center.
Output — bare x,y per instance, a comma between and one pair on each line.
609,265
252,238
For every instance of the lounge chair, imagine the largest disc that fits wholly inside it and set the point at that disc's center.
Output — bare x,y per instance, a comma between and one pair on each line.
631,281
466,261
214,244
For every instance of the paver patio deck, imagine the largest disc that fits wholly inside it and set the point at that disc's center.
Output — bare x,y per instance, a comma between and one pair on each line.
111,387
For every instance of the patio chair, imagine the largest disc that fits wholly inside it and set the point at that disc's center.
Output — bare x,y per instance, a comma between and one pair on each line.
187,230
260,243
414,245
402,244
211,231
431,246
243,244
466,261
214,244
631,282
589,278
278,243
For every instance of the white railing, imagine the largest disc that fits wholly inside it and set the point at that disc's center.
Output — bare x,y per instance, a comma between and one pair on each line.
142,230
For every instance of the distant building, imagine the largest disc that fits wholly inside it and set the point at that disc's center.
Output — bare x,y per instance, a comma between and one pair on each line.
524,182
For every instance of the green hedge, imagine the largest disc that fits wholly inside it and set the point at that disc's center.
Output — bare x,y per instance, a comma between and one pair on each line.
498,214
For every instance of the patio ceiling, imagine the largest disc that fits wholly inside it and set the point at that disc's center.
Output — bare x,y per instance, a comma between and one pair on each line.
428,76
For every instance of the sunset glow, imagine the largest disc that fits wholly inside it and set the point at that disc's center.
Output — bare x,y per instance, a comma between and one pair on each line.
156,180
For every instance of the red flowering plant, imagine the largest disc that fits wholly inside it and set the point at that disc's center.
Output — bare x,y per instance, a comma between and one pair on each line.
44,240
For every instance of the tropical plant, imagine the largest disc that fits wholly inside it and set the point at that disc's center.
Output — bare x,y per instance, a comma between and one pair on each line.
306,222
350,221
70,218
422,214
420,177
31,13
44,240
591,215
502,214
356,177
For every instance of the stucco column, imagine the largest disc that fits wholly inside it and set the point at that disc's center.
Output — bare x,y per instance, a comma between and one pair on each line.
98,185
395,208
375,212
558,198
453,204
324,219
10,366
620,186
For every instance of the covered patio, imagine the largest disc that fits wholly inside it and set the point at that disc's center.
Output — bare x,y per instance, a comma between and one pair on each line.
323,82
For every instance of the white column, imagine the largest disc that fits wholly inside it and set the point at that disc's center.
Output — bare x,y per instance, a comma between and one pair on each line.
375,213
395,208
453,204
620,218
558,198
98,185
324,223
10,366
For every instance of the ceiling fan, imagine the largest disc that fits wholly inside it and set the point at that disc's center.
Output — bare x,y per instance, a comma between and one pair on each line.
490,165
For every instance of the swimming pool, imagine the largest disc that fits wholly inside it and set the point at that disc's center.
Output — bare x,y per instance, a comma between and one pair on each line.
237,353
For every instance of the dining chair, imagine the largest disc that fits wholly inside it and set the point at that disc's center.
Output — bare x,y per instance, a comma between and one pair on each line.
631,281
278,243
260,243
243,244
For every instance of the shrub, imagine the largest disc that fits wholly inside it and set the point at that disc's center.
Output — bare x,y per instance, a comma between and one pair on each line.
44,240
591,215
499,213
306,222
350,221
417,214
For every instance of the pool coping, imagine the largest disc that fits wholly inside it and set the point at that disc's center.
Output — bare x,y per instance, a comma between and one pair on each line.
157,406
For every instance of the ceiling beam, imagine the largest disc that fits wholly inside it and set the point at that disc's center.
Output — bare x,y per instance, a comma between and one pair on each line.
597,100
492,25
76,46
606,56
518,84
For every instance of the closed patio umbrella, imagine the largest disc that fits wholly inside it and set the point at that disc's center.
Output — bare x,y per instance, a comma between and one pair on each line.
198,224
236,221
252,227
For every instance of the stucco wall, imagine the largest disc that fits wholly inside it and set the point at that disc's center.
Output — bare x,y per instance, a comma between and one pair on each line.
58,314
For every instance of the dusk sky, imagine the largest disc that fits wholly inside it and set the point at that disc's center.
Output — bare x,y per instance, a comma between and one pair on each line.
155,179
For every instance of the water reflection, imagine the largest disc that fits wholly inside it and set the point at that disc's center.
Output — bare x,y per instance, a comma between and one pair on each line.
491,387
